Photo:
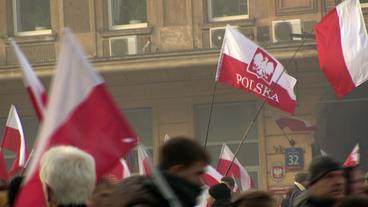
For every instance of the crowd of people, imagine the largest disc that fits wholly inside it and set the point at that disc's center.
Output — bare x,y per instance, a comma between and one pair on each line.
68,175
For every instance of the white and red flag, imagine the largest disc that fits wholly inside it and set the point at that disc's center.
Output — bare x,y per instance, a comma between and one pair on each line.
236,171
33,85
246,66
295,124
342,44
14,141
211,176
143,161
3,171
120,171
81,113
353,158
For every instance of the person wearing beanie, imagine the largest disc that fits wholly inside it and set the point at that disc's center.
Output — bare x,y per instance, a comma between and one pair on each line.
326,184
300,183
221,195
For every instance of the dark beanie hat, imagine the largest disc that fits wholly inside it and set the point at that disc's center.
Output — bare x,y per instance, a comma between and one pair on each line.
320,166
220,191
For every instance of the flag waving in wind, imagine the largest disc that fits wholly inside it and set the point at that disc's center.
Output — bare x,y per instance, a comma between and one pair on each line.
353,158
342,44
143,159
34,86
211,176
81,113
14,141
246,66
295,124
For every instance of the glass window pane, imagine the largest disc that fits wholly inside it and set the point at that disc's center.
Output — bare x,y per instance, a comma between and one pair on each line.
229,120
141,121
128,12
224,8
32,15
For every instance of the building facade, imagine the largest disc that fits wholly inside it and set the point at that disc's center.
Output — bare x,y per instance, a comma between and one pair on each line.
159,59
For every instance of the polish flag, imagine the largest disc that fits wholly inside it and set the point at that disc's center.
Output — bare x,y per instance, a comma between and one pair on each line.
295,124
342,45
3,171
120,171
81,113
237,170
353,158
211,176
246,66
14,141
35,89
143,161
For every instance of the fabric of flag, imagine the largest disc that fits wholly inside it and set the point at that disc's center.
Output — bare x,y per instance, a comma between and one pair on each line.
15,141
3,171
34,87
295,124
143,159
353,158
342,44
211,176
81,113
120,171
236,171
246,66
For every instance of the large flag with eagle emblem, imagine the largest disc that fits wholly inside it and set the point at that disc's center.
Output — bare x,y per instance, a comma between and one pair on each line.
246,66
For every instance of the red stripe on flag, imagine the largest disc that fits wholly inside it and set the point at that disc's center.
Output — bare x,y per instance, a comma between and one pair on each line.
223,165
209,180
232,70
11,140
331,58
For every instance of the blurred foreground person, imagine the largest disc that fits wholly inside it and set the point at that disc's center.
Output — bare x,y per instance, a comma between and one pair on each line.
13,191
182,162
221,195
300,183
254,199
68,176
326,184
355,181
353,201
103,190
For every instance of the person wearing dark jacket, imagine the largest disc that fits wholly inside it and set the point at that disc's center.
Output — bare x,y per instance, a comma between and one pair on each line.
300,182
221,195
182,162
326,184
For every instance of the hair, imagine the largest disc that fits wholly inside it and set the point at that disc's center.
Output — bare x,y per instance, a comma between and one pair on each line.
181,151
353,201
70,174
254,199
229,181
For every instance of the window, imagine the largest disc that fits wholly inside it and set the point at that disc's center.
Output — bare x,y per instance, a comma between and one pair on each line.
31,17
141,122
229,121
222,10
125,14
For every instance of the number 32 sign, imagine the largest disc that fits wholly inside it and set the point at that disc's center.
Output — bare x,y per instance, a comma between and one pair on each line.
294,158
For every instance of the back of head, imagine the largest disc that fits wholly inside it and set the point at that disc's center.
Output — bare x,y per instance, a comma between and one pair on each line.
254,199
229,181
181,151
220,191
69,173
320,166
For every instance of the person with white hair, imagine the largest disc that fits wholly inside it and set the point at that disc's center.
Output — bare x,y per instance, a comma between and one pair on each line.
68,175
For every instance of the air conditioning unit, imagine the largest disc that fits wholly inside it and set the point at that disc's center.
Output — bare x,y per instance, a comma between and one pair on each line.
217,36
122,46
282,30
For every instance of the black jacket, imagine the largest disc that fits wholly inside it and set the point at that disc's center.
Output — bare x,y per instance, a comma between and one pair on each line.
305,199
291,196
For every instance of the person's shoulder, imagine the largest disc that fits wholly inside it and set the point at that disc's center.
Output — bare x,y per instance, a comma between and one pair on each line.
302,199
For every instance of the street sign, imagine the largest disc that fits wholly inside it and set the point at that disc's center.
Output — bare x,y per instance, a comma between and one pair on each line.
294,158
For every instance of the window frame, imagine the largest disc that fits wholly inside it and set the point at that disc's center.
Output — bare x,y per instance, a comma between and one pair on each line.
227,18
26,33
123,26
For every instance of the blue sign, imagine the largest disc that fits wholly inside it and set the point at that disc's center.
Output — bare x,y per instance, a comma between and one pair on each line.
294,158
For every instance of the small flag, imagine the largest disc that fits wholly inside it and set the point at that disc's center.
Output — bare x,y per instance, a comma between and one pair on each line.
246,66
78,98
295,124
14,141
143,159
211,176
342,44
353,158
35,89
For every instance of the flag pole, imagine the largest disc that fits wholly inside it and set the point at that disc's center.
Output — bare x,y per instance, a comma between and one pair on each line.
250,126
210,115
